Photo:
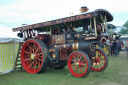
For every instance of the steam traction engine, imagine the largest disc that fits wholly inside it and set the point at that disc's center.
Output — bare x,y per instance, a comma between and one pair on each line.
68,41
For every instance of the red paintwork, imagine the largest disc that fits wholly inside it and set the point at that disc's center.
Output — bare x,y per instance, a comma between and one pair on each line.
29,64
41,37
99,62
80,66
58,39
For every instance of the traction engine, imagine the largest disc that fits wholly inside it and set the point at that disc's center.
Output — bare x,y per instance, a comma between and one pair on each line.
68,41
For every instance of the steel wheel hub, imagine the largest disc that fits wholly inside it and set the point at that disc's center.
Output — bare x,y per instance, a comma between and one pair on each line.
76,64
33,56
97,59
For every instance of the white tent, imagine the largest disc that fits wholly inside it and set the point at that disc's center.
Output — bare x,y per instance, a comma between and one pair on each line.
8,53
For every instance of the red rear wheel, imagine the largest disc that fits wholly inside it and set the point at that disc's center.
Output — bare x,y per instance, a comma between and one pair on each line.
34,56
100,62
79,64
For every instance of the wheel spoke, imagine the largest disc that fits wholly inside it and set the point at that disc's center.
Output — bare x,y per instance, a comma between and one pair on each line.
39,53
40,56
102,59
84,67
27,59
30,50
39,59
74,58
74,61
77,56
84,64
81,70
95,65
31,64
31,61
73,64
76,70
98,54
101,62
100,65
34,66
30,47
83,60
36,50
27,52
37,63
92,61
80,57
101,56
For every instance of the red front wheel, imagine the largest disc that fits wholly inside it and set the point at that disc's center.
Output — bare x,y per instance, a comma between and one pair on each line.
79,64
34,56
100,62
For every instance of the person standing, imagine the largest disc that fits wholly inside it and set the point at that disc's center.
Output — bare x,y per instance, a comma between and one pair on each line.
122,45
111,41
115,47
126,48
119,46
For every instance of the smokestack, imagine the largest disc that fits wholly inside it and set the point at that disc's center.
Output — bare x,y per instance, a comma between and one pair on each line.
84,9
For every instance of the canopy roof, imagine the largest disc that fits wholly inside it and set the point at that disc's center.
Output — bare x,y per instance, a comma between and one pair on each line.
117,34
74,20
111,26
7,40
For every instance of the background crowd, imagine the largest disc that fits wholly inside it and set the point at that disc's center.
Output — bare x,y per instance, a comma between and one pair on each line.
116,46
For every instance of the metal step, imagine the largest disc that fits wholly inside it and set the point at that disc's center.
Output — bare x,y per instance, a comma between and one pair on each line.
18,64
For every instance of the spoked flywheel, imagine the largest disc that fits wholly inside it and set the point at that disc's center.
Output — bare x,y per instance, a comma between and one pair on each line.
100,61
34,56
79,64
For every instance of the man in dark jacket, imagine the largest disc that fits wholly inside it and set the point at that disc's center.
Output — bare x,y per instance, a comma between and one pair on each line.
115,47
119,46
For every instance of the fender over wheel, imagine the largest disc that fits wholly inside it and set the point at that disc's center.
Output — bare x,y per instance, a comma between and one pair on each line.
105,47
79,64
100,61
34,56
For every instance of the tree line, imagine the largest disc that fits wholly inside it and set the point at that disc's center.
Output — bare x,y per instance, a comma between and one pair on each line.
124,29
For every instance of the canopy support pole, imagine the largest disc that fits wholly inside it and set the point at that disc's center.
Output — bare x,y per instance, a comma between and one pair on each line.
95,26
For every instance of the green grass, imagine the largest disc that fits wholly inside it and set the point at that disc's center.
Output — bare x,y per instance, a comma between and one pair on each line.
115,74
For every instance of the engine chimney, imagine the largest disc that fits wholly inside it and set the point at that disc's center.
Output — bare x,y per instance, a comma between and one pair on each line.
84,9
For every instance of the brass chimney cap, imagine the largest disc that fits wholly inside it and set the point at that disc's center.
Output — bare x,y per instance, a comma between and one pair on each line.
84,9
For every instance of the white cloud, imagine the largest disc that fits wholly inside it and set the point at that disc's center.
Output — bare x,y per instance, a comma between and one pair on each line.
39,9
7,32
36,11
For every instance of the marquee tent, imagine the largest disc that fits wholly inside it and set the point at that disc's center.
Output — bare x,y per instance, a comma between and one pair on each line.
8,52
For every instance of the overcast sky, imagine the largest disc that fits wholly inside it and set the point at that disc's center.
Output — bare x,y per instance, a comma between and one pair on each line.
14,13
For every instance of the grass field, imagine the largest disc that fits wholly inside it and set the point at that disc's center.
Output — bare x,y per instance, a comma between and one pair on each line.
115,74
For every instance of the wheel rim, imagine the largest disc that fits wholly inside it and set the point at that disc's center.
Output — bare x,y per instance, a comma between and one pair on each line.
32,56
98,62
78,64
